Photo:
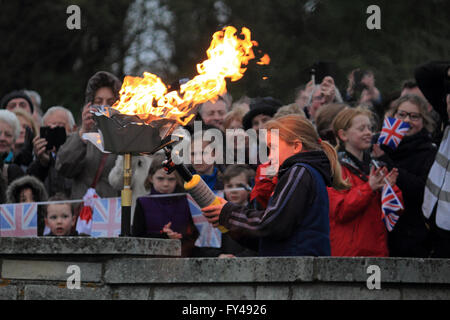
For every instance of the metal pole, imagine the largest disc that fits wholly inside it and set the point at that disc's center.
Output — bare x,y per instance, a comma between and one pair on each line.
126,197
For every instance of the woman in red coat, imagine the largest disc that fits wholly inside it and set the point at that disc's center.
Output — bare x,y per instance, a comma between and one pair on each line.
356,225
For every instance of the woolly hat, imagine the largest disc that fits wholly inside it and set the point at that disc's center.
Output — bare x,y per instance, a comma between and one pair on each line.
16,94
266,105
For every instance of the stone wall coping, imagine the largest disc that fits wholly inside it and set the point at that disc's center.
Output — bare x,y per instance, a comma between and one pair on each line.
275,269
89,246
140,261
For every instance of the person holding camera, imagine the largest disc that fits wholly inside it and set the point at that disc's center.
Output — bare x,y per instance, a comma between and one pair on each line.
361,88
321,94
58,122
80,160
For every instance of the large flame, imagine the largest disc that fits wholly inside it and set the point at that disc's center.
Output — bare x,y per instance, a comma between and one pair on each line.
148,97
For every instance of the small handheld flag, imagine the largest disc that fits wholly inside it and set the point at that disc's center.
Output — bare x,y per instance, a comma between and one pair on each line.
393,132
84,223
390,204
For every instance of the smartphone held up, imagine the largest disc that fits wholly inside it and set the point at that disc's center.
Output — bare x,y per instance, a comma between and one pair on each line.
55,136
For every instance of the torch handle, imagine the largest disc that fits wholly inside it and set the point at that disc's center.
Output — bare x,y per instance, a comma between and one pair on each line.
125,226
202,194
126,197
194,184
183,172
170,166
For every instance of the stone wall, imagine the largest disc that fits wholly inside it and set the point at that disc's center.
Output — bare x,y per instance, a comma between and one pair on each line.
130,268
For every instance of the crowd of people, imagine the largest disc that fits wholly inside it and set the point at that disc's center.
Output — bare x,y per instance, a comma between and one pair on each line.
323,198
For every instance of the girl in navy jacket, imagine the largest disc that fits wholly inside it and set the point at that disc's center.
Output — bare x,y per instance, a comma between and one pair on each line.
295,222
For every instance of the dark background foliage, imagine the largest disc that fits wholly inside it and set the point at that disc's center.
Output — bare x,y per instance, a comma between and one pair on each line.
38,52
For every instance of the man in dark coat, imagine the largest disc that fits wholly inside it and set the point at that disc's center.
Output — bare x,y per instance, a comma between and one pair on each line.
43,165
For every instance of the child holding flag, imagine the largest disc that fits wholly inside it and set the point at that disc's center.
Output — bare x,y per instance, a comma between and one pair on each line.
358,226
413,157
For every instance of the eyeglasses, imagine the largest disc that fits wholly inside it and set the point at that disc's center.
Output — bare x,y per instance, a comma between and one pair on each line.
414,116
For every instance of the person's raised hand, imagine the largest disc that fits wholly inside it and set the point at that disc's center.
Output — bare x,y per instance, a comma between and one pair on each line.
39,148
309,87
327,88
87,119
351,82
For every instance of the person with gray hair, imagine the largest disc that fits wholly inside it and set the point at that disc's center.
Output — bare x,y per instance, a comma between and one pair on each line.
37,101
9,132
10,118
60,115
35,97
43,166
213,113
321,94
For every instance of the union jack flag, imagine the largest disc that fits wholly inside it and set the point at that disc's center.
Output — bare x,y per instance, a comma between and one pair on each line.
18,220
106,217
208,235
389,205
392,132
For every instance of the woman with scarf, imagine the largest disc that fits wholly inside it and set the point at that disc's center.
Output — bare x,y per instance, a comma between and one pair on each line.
413,157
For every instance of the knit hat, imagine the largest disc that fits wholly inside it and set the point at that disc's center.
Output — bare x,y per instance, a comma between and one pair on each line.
266,105
16,94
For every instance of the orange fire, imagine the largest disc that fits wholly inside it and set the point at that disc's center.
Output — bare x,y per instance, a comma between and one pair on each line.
264,60
148,97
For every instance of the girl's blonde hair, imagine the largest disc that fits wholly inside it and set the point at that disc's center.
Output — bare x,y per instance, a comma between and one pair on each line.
345,118
235,114
296,127
292,108
28,117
